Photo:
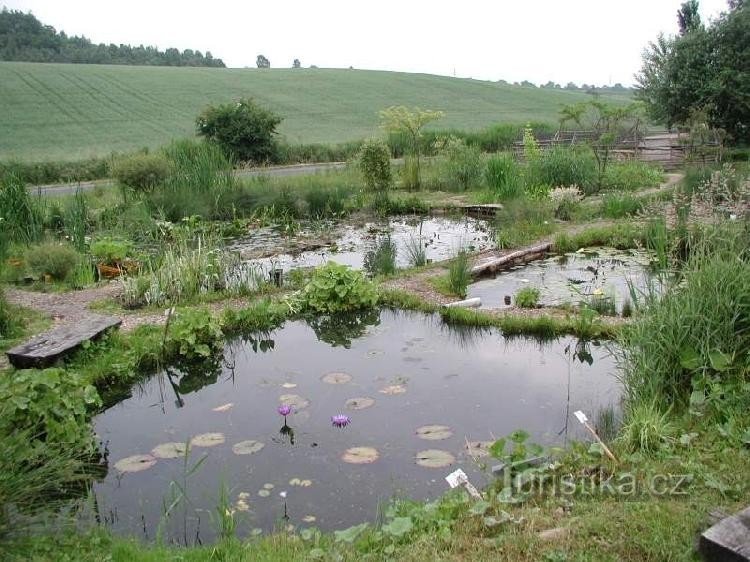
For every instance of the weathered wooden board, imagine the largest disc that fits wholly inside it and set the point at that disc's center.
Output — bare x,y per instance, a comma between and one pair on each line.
48,347
525,255
728,540
482,211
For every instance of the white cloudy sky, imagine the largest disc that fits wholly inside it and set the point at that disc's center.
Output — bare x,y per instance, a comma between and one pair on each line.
592,41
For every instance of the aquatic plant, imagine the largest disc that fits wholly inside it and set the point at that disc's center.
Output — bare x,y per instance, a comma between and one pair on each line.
284,410
382,259
459,274
527,297
415,251
336,288
340,420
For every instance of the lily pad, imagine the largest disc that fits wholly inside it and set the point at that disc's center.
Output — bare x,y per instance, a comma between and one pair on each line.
223,407
207,440
359,403
294,400
136,463
264,493
434,432
309,519
169,450
360,455
478,449
435,458
289,385
247,447
393,389
336,378
268,486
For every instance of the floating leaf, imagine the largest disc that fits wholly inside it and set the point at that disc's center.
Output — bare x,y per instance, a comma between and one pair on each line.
398,527
294,482
434,432
360,455
306,483
169,450
243,495
136,463
350,535
264,493
478,449
268,486
294,400
289,385
247,447
359,403
435,458
309,519
207,440
336,378
242,505
393,389
223,408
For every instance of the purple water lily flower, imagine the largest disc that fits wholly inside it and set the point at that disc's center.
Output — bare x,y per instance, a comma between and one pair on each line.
284,410
340,420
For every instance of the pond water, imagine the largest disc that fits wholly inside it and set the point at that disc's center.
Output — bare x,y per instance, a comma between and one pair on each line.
571,278
391,372
348,244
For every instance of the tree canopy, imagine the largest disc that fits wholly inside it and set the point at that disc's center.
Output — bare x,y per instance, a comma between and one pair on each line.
25,38
705,69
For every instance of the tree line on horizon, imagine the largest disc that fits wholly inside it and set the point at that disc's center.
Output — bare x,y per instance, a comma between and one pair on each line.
24,38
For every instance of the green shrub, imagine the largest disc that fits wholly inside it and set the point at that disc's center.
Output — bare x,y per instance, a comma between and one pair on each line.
243,129
527,297
502,176
374,162
54,403
40,173
616,206
195,334
563,167
110,250
337,288
646,427
459,274
463,164
632,175
140,172
51,258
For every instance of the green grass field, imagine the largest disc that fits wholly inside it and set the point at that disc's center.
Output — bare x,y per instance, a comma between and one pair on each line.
70,111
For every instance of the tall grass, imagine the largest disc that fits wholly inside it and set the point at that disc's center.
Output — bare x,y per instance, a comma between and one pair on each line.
381,260
616,206
563,167
502,177
459,273
21,217
415,250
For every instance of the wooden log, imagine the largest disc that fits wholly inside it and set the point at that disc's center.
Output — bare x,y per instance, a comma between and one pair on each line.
524,255
48,347
728,540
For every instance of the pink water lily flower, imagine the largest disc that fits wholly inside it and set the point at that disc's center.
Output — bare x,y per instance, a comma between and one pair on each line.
340,420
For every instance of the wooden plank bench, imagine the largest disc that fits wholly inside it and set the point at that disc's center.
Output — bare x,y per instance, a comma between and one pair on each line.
48,347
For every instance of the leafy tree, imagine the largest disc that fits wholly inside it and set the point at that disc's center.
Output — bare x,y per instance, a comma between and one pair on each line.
704,69
375,164
25,38
410,123
296,64
688,17
244,130
262,62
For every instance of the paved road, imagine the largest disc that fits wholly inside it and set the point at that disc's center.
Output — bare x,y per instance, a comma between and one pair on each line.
276,171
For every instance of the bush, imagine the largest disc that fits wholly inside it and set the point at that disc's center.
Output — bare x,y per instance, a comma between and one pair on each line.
566,201
502,176
563,167
244,130
195,334
527,297
632,175
109,250
615,206
140,172
51,259
375,164
337,288
463,164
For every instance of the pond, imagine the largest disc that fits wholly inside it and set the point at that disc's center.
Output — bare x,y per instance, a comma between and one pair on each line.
408,383
571,278
348,243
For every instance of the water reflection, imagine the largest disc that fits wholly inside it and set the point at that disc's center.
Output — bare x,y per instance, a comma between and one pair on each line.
340,330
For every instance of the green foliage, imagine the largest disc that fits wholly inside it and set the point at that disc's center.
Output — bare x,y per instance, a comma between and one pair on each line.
563,167
463,164
616,206
140,172
21,218
195,334
527,297
410,178
260,316
459,273
503,177
52,403
110,250
699,71
531,150
631,175
620,236
337,288
52,259
381,260
243,129
522,221
9,326
375,164
646,427
415,251
50,171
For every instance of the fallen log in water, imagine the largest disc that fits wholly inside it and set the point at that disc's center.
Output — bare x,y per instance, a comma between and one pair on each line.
525,255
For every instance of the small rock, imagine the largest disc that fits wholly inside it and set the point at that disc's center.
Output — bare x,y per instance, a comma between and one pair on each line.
553,534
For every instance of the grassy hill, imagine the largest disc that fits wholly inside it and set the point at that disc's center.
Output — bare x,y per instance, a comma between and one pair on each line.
70,111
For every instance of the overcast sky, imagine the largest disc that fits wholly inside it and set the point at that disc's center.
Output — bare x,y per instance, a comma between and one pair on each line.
591,41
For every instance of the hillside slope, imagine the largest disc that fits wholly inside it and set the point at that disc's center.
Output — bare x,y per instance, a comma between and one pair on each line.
65,111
